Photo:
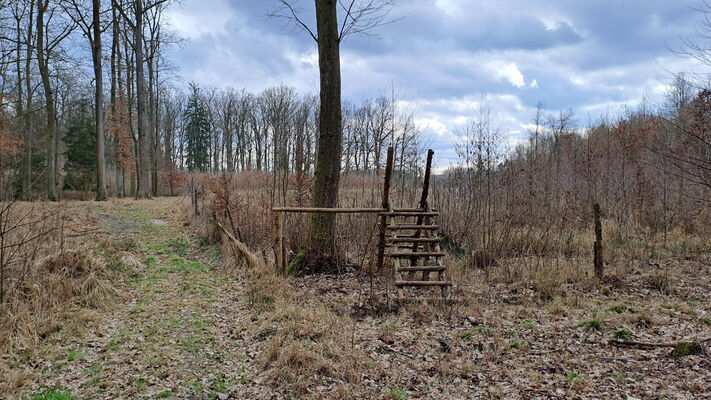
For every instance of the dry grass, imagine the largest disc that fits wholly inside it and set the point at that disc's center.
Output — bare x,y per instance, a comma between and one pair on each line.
57,278
305,345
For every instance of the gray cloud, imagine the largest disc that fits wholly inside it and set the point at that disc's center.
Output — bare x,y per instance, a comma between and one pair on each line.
591,56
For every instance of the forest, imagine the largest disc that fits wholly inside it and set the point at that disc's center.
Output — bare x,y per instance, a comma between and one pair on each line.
168,238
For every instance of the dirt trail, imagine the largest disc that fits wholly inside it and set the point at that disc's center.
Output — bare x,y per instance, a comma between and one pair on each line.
176,329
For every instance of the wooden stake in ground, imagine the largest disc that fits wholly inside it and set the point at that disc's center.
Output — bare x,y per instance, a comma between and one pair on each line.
386,206
278,243
598,261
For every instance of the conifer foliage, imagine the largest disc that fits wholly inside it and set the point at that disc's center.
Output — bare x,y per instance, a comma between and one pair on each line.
197,132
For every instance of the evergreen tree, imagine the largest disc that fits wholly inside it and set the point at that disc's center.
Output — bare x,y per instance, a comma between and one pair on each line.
197,132
80,141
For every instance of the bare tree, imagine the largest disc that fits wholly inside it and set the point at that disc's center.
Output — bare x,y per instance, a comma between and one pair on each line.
136,24
46,44
92,29
356,17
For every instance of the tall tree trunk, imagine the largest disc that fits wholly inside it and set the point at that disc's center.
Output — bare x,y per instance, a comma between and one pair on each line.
144,189
27,175
321,232
115,58
99,105
43,62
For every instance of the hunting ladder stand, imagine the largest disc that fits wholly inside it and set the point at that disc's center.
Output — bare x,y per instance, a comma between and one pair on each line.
407,235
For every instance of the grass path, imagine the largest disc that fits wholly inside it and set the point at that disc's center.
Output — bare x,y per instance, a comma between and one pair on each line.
174,332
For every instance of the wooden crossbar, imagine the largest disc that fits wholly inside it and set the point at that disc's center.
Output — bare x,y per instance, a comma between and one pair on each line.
329,210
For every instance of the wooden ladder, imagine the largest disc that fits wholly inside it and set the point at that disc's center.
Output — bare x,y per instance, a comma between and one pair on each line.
415,248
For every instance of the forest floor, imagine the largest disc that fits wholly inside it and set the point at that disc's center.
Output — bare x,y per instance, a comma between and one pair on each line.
187,325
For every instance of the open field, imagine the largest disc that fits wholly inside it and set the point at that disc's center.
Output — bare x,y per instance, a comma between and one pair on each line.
185,320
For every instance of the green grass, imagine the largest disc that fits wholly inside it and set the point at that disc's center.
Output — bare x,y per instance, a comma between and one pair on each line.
515,345
592,324
179,246
705,320
53,395
218,384
398,394
183,266
529,325
484,330
200,325
573,376
622,334
164,394
465,335
75,355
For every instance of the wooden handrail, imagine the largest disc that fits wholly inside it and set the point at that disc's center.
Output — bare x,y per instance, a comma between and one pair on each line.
329,210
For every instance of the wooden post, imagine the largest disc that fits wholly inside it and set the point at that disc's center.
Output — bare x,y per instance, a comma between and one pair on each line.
423,204
426,183
194,196
386,206
278,243
598,260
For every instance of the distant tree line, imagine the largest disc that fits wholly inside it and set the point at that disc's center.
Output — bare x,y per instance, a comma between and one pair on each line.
154,130
649,168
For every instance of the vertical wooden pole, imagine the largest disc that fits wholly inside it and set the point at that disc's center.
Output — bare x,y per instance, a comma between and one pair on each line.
278,243
426,183
598,260
423,203
386,206
194,197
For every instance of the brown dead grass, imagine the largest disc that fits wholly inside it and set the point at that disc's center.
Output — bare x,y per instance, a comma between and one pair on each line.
51,293
305,342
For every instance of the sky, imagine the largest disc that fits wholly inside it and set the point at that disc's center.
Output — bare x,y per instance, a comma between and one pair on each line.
444,57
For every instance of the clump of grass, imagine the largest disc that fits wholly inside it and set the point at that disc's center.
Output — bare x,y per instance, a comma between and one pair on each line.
515,345
592,324
705,320
573,376
53,395
622,334
218,384
75,355
661,283
643,322
398,394
465,335
687,349
164,394
619,308
484,330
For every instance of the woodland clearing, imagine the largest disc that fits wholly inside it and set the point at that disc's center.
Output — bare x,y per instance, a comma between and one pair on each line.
187,321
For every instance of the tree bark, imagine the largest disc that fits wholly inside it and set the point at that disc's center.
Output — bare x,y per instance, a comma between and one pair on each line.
321,233
144,189
99,104
43,62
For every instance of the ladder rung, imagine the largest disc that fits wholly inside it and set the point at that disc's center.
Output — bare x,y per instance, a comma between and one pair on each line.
414,240
424,268
408,254
400,246
423,283
413,226
409,214
425,300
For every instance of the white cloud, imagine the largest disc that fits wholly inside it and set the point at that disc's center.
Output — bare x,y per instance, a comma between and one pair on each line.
194,19
534,84
432,124
511,73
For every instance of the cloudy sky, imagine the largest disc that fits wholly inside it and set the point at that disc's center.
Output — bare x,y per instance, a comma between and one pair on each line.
443,56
